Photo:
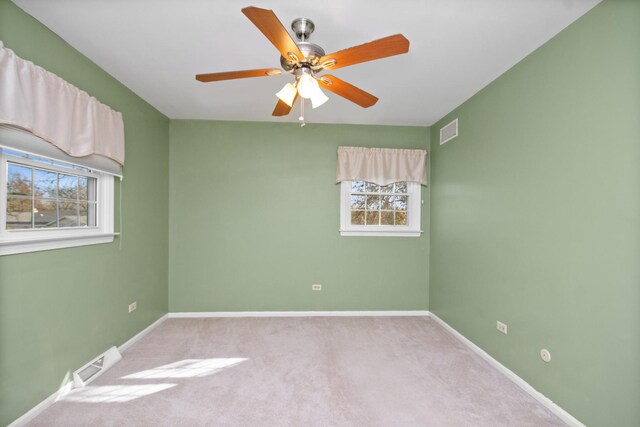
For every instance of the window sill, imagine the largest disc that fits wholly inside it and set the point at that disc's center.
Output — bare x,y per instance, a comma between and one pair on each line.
381,233
36,244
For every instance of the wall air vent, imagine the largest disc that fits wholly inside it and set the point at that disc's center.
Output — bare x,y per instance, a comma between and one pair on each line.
96,367
448,132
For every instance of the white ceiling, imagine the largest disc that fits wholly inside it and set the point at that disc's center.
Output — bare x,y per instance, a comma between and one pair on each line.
155,47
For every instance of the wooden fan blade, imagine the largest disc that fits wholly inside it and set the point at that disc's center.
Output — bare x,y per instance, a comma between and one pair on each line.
348,91
282,109
382,48
230,75
272,28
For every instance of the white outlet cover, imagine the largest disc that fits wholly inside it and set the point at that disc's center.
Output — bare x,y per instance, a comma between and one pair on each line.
502,327
545,355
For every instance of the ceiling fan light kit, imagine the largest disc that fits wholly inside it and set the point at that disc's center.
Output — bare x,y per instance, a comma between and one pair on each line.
308,87
305,60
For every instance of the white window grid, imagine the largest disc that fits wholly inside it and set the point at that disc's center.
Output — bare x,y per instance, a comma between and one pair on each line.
34,239
379,210
410,229
35,163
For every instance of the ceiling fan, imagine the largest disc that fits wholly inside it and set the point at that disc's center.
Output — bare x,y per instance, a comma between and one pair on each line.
305,60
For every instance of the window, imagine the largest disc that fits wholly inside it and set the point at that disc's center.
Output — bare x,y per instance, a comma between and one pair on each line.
49,204
368,209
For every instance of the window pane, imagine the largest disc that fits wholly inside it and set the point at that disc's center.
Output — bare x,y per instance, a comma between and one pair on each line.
19,180
401,218
400,203
401,187
45,184
357,186
68,214
370,187
387,189
84,214
373,203
68,186
83,187
373,218
88,214
386,202
45,215
357,202
357,217
19,213
386,218
87,188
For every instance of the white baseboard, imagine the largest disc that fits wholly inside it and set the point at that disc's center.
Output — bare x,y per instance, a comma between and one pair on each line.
298,313
141,334
40,407
545,401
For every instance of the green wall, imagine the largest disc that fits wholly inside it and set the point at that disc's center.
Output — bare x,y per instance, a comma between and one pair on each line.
535,217
60,308
254,222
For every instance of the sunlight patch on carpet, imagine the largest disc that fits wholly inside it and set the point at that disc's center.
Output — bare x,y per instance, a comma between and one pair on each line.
114,393
188,368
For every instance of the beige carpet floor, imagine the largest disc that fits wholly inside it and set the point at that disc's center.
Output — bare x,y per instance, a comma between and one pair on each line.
323,371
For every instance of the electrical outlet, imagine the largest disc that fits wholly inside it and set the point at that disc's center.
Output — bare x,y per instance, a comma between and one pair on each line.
133,306
316,287
502,327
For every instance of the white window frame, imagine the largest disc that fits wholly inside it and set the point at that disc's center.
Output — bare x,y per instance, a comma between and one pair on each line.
32,240
414,214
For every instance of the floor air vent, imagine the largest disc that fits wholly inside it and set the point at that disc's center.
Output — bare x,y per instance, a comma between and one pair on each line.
96,367
448,132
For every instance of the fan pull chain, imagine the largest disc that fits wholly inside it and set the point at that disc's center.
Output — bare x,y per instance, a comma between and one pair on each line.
301,118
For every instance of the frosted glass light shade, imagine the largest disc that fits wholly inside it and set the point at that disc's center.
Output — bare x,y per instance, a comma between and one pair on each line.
307,86
318,98
287,94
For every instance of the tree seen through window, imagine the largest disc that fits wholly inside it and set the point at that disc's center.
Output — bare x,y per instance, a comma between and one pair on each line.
373,204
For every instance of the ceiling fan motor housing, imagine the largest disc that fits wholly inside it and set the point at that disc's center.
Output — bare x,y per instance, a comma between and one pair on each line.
312,54
302,28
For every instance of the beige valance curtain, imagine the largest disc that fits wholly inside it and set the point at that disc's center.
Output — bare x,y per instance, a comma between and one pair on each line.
56,111
381,166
